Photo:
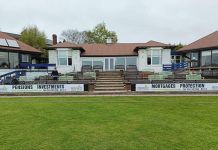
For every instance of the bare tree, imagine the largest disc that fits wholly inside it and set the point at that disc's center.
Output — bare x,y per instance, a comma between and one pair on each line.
74,36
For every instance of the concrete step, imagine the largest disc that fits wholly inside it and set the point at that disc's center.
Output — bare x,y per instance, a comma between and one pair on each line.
111,92
109,88
109,77
109,85
109,80
109,73
105,78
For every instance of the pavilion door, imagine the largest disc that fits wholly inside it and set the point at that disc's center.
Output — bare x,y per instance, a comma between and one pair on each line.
109,64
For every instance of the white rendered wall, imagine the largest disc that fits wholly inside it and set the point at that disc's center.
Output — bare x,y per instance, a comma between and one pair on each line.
166,58
52,56
76,62
142,60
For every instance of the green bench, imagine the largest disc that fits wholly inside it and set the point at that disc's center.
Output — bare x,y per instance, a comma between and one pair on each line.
166,73
156,77
26,78
193,77
89,75
66,78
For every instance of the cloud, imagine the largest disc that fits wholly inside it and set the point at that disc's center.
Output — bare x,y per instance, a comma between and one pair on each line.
169,21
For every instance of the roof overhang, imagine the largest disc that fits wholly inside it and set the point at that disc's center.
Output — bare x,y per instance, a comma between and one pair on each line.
147,47
5,49
198,49
109,55
73,48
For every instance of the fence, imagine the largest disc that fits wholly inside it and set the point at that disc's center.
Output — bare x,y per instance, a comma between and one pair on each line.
175,66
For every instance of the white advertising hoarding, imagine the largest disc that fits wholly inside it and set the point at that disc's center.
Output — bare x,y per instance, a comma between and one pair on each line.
42,88
189,87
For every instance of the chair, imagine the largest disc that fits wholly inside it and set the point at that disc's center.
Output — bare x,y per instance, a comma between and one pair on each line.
86,68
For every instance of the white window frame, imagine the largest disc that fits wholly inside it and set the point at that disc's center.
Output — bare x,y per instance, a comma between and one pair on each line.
87,59
152,55
62,57
174,59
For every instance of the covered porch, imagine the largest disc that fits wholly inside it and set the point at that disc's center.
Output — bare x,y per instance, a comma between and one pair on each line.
204,62
123,63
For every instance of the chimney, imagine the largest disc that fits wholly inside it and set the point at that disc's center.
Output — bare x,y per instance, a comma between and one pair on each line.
109,40
54,39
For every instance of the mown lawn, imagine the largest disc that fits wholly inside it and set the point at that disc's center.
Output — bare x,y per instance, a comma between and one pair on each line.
115,123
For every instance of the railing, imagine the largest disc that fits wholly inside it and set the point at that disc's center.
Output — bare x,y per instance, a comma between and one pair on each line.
36,66
167,67
182,65
175,66
14,74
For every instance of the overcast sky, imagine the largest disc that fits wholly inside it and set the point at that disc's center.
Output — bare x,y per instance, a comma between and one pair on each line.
169,21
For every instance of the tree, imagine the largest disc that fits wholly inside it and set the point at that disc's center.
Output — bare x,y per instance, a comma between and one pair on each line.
32,36
74,36
179,46
100,34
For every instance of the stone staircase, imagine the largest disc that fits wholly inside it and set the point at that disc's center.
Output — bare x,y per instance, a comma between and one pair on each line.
109,82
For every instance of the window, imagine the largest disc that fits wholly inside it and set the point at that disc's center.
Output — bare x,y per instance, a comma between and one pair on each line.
153,57
205,58
215,57
178,59
120,61
69,60
25,58
188,57
86,61
14,60
106,64
97,62
156,57
62,58
173,59
194,56
149,57
131,61
195,59
4,60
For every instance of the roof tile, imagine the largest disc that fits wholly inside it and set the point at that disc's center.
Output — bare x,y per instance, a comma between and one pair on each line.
117,49
209,41
22,46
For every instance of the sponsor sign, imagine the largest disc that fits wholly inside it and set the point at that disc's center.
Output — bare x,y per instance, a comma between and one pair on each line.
189,87
42,88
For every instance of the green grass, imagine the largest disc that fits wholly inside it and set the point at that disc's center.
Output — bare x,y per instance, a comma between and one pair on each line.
118,123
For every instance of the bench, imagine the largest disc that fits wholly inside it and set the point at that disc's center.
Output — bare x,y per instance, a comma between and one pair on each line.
66,78
156,77
89,75
193,77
